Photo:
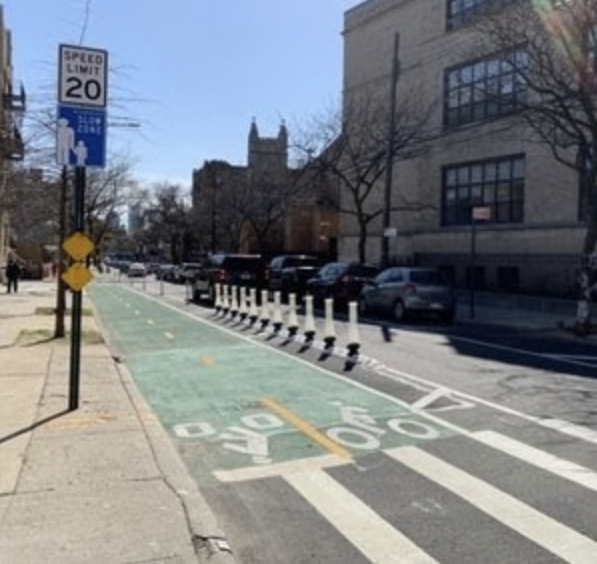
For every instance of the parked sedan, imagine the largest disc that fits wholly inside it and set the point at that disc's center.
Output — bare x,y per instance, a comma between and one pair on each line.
136,270
403,291
342,281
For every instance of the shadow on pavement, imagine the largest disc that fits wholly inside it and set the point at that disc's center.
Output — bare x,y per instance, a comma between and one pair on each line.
33,426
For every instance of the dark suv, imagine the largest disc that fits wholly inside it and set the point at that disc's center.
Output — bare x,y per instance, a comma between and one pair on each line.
229,269
342,281
289,273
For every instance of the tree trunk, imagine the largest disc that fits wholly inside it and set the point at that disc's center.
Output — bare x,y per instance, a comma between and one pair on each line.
362,241
587,282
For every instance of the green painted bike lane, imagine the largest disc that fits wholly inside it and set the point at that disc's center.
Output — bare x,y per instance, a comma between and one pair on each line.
231,402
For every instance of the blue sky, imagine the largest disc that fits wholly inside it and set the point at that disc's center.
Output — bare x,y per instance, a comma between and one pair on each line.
193,73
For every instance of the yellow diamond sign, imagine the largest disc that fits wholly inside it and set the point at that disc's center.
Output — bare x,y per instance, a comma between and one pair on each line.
78,246
77,276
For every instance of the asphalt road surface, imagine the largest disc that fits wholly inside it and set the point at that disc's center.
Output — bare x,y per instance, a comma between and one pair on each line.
441,444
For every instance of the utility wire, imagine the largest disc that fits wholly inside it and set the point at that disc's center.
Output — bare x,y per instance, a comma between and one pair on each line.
85,21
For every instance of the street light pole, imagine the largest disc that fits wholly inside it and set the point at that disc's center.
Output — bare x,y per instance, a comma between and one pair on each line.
387,201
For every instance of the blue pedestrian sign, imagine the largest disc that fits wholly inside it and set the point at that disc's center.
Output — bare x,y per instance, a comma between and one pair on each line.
81,136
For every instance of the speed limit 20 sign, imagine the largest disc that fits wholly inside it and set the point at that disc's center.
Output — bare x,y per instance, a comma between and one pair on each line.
83,76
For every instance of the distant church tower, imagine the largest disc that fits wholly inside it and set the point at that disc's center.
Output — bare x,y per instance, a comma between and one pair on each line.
268,154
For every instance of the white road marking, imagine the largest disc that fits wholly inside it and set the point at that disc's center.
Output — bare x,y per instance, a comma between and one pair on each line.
377,539
280,468
564,542
563,427
567,428
570,359
531,455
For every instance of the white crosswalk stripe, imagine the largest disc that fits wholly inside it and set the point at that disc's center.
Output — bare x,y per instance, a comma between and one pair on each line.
546,532
380,541
372,535
558,466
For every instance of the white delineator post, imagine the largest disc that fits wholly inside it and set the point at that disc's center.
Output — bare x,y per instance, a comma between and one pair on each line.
292,322
253,311
309,324
329,331
242,305
354,340
218,297
264,315
277,316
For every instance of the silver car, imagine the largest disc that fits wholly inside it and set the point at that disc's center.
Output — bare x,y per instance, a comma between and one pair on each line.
136,270
402,292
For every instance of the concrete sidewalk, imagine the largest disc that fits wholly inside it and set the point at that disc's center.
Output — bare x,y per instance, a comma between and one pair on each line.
102,484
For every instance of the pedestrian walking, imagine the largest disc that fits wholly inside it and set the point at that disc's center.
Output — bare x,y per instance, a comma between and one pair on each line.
13,273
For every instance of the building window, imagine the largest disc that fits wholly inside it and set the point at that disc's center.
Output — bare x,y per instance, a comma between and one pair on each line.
475,277
497,184
459,12
485,89
508,278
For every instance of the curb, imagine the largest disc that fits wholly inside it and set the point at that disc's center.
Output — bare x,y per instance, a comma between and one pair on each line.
207,537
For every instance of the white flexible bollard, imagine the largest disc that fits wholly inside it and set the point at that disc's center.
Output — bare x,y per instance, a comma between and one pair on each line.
264,315
218,298
309,325
329,331
253,311
242,303
277,315
354,340
292,322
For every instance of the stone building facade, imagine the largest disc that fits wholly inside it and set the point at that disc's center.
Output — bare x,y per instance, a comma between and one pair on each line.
265,207
533,236
11,143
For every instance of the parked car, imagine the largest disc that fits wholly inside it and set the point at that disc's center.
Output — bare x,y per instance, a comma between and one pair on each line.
165,272
186,272
136,270
152,267
231,269
404,291
342,281
31,270
289,273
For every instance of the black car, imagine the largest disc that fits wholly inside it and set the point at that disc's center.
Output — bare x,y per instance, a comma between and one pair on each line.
229,269
289,273
342,281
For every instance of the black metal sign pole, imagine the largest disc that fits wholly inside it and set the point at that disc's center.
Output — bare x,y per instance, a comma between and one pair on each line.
77,309
473,257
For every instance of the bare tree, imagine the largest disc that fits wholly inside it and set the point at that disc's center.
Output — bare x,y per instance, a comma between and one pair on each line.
245,207
107,191
168,222
354,149
558,41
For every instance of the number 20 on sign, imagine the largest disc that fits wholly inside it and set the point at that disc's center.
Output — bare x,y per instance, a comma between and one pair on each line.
83,76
